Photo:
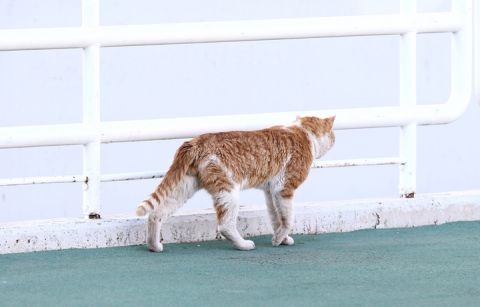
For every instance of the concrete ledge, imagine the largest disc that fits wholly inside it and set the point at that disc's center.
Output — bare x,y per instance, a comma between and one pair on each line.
200,225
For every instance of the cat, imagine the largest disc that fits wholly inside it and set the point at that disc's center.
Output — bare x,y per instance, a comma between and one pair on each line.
276,160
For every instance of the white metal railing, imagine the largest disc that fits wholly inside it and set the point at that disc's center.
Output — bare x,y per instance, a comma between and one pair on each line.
92,132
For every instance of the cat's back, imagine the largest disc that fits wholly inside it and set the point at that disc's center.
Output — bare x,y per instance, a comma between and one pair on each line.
252,155
264,140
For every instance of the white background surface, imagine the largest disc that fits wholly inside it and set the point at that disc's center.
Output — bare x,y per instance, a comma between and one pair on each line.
44,87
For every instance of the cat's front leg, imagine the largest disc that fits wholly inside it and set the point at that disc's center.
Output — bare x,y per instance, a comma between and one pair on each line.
275,218
284,206
272,211
153,233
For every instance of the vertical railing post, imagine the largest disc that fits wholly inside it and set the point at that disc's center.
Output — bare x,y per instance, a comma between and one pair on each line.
462,50
408,93
476,50
91,113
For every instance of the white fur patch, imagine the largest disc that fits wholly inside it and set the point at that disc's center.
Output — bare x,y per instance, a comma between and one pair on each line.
314,144
324,144
210,159
229,200
228,197
319,145
215,160
277,182
185,189
244,184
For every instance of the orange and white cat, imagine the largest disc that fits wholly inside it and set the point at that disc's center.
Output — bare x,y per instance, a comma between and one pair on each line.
276,160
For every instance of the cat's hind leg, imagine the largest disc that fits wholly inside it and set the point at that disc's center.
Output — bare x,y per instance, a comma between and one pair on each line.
227,206
182,192
217,180
153,232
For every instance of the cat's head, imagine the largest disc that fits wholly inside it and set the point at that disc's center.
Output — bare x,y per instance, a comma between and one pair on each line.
321,130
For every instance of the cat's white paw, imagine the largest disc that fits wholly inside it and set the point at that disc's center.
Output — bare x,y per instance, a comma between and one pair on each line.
157,247
276,241
245,245
288,241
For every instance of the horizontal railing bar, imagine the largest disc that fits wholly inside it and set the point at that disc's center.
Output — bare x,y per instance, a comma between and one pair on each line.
186,127
154,175
355,118
316,164
42,180
79,178
132,176
227,31
358,162
46,135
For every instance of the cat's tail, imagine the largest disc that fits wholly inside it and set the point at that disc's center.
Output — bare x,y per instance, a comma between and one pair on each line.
182,161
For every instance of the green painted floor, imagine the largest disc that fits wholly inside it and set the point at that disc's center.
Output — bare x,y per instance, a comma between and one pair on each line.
427,266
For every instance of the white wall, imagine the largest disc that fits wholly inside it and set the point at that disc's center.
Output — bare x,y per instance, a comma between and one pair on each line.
44,87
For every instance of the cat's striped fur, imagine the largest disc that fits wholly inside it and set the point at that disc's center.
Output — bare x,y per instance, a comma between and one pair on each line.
276,160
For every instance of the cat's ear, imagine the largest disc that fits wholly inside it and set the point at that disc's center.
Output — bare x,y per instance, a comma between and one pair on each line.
329,121
298,120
